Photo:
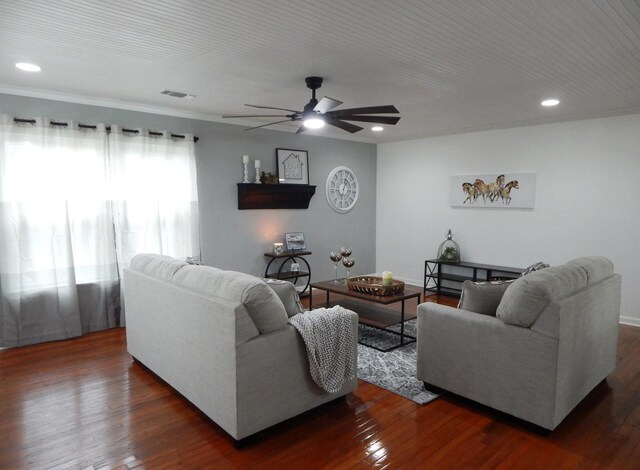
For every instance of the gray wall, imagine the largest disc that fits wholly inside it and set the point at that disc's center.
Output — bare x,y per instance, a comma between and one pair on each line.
233,239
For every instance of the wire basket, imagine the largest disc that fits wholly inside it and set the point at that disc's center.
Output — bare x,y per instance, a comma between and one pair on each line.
373,285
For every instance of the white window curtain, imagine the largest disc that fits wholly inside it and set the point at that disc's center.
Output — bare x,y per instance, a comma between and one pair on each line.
75,206
154,193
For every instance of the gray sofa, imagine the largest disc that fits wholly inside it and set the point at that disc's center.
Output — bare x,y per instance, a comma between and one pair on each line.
553,339
222,340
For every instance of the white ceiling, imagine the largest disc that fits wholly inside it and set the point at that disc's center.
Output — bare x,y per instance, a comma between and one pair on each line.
449,66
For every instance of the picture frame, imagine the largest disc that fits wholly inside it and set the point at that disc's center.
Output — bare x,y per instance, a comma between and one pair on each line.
295,241
494,191
292,166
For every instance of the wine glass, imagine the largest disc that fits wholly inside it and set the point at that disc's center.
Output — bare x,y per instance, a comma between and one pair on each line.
348,263
346,250
335,257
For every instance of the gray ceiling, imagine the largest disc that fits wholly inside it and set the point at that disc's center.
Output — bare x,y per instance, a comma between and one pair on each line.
448,65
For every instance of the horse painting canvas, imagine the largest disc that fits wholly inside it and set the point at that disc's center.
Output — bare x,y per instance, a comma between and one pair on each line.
499,190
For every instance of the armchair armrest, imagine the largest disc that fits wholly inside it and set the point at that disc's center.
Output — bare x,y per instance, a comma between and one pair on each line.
480,357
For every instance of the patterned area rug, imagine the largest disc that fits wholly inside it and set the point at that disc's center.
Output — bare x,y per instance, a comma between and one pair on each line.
394,370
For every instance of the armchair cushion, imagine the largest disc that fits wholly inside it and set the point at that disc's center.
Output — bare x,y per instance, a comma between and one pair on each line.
596,267
528,296
482,297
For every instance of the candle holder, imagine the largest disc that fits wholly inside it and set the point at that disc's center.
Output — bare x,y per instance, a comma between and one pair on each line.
346,250
245,177
257,181
348,263
335,257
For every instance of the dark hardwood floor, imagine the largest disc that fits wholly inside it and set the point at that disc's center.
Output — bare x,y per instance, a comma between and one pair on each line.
83,403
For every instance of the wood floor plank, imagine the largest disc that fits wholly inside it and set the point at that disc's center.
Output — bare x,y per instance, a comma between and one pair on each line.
83,403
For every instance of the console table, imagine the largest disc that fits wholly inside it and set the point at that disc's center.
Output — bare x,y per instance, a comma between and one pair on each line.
284,268
446,278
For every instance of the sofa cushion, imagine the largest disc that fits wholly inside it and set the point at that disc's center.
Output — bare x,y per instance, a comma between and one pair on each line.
264,307
482,297
525,299
287,293
159,266
596,267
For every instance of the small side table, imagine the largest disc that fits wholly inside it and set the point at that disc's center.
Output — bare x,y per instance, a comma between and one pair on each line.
284,268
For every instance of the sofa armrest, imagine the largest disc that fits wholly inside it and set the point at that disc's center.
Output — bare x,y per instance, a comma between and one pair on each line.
274,381
480,357
442,317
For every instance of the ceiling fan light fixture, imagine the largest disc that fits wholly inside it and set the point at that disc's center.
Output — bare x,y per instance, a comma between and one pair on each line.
377,128
313,122
550,102
316,113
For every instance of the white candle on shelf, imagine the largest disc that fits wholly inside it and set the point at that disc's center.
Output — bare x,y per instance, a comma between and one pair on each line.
245,159
257,165
387,277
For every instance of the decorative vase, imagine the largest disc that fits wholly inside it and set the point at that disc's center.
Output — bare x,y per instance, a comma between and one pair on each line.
449,250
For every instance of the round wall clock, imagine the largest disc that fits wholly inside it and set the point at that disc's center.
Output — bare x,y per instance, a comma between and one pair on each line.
342,189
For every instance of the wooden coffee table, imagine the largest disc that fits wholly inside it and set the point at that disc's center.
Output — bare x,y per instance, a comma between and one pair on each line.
410,292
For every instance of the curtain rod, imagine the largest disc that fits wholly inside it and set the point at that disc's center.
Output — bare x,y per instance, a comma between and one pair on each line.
90,126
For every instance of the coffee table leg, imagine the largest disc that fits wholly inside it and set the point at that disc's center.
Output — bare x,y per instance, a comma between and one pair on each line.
310,297
402,324
327,303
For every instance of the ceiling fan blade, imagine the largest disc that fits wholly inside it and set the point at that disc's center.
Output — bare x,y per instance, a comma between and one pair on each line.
393,120
269,107
301,129
345,126
370,110
326,104
265,125
253,115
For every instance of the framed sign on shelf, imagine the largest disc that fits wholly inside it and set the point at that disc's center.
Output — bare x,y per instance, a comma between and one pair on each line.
293,166
295,241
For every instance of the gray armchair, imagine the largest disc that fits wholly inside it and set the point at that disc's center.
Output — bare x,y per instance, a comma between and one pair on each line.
553,339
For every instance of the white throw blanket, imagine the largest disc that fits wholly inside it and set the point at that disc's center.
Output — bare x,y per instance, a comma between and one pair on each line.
329,337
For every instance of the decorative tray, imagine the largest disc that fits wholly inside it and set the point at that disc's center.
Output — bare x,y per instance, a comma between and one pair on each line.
373,285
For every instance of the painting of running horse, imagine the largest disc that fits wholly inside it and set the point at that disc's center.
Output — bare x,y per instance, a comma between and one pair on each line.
515,191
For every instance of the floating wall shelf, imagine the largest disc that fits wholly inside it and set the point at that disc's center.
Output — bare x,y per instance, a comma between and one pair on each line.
274,196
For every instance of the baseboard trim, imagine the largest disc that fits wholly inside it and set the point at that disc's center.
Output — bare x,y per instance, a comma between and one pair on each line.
630,321
412,282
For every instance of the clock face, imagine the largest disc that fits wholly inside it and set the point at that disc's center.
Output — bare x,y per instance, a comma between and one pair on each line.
342,189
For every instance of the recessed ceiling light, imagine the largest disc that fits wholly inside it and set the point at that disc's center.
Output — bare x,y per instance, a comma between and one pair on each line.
28,67
550,102
377,128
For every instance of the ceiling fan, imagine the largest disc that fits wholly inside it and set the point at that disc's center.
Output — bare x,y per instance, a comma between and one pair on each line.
316,114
